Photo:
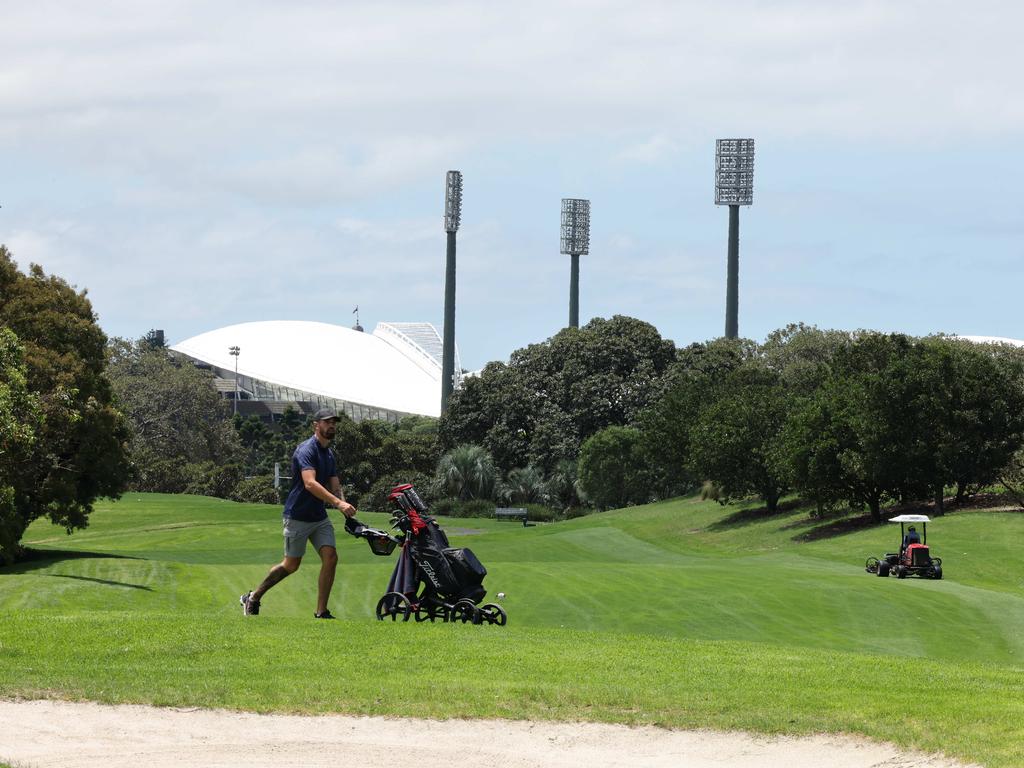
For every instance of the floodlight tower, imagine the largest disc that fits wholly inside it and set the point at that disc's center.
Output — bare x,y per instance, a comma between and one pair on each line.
235,352
452,217
575,241
734,186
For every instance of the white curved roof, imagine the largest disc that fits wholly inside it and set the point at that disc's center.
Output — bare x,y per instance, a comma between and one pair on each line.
993,340
382,370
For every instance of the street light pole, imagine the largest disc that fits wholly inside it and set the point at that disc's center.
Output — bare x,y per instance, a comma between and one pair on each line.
452,218
575,241
234,353
734,186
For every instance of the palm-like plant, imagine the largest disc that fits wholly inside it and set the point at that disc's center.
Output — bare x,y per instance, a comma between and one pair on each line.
525,485
467,472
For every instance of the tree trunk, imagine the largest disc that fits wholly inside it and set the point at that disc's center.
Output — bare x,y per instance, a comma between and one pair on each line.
940,508
875,503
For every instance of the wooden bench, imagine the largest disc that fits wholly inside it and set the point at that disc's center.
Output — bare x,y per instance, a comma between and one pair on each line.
511,513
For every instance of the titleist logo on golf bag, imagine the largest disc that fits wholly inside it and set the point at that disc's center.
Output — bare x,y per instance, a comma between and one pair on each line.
427,569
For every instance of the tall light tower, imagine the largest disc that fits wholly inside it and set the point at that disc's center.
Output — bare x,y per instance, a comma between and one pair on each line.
575,241
734,186
235,351
452,217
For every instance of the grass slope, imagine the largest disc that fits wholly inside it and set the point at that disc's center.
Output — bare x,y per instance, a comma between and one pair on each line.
683,613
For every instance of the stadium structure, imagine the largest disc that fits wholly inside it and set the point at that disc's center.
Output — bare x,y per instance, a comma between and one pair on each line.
390,373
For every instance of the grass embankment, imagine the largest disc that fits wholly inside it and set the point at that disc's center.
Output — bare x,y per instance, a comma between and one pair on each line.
683,614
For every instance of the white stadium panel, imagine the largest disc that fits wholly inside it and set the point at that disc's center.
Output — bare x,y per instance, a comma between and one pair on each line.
381,371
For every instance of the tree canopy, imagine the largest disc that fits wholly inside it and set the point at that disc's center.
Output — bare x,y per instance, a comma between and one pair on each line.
79,453
537,409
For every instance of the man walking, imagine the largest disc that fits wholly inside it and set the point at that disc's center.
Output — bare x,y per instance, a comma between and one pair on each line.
315,484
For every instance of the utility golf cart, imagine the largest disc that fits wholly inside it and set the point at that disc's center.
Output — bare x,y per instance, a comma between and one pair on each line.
914,557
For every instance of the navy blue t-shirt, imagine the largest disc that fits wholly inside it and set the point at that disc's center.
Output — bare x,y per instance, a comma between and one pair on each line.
301,504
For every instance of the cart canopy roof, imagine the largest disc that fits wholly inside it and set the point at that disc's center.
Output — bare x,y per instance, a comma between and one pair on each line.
910,519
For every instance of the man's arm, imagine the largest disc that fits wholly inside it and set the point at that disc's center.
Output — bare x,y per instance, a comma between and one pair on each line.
335,499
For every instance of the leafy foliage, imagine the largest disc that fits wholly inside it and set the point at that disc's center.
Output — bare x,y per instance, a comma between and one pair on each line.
182,438
537,409
613,468
79,452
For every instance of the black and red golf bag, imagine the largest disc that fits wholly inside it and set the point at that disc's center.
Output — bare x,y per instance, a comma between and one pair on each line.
427,558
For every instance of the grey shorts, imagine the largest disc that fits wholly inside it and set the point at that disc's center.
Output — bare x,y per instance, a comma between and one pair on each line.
298,532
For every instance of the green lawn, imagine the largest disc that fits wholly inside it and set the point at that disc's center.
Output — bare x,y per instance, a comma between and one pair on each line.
684,613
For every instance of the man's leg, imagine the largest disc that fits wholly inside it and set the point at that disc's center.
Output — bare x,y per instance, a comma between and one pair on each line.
328,565
285,568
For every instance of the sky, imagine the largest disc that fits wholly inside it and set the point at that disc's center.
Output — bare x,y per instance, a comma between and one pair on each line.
194,165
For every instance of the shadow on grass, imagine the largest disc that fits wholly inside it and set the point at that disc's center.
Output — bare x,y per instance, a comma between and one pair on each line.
32,559
830,529
753,514
100,581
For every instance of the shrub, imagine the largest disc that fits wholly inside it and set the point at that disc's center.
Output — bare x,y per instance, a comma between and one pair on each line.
709,491
376,499
257,490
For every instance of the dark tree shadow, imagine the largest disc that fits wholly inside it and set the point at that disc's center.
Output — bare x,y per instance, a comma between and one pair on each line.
99,581
753,514
839,527
33,559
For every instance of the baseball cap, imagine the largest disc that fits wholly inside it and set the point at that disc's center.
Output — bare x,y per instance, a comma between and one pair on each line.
324,414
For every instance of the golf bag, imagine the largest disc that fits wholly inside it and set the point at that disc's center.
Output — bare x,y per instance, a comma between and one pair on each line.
446,573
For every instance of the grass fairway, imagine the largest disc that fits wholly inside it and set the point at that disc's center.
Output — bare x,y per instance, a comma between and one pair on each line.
683,614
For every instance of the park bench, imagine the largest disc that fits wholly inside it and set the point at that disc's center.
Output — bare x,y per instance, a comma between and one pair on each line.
511,513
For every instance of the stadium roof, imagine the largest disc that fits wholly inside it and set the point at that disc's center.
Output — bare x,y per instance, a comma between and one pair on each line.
993,340
397,368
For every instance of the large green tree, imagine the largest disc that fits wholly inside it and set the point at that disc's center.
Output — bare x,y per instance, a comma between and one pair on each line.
613,468
20,421
735,440
182,437
690,385
80,449
861,437
538,408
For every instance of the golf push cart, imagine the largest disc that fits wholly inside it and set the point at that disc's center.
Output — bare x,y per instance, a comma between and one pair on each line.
432,580
914,557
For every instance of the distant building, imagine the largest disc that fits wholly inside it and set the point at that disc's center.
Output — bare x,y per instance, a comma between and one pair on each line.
390,373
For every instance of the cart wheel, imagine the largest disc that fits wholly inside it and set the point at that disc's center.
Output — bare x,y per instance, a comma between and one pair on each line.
493,614
394,606
464,611
901,571
937,572
431,611
871,565
883,568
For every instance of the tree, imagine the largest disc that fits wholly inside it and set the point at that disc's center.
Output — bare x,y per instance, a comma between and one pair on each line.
467,472
538,408
20,421
79,453
858,438
182,436
973,405
691,383
613,468
736,439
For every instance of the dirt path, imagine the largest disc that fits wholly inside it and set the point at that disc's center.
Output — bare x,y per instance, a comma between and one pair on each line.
50,733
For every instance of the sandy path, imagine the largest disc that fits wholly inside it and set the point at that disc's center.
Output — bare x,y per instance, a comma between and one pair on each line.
51,733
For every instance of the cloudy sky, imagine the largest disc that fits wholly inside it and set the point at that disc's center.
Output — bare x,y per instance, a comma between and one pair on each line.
195,164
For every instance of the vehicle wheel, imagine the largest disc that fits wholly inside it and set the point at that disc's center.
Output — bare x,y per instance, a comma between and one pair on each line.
465,611
901,571
431,611
883,568
871,565
493,614
937,572
394,606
